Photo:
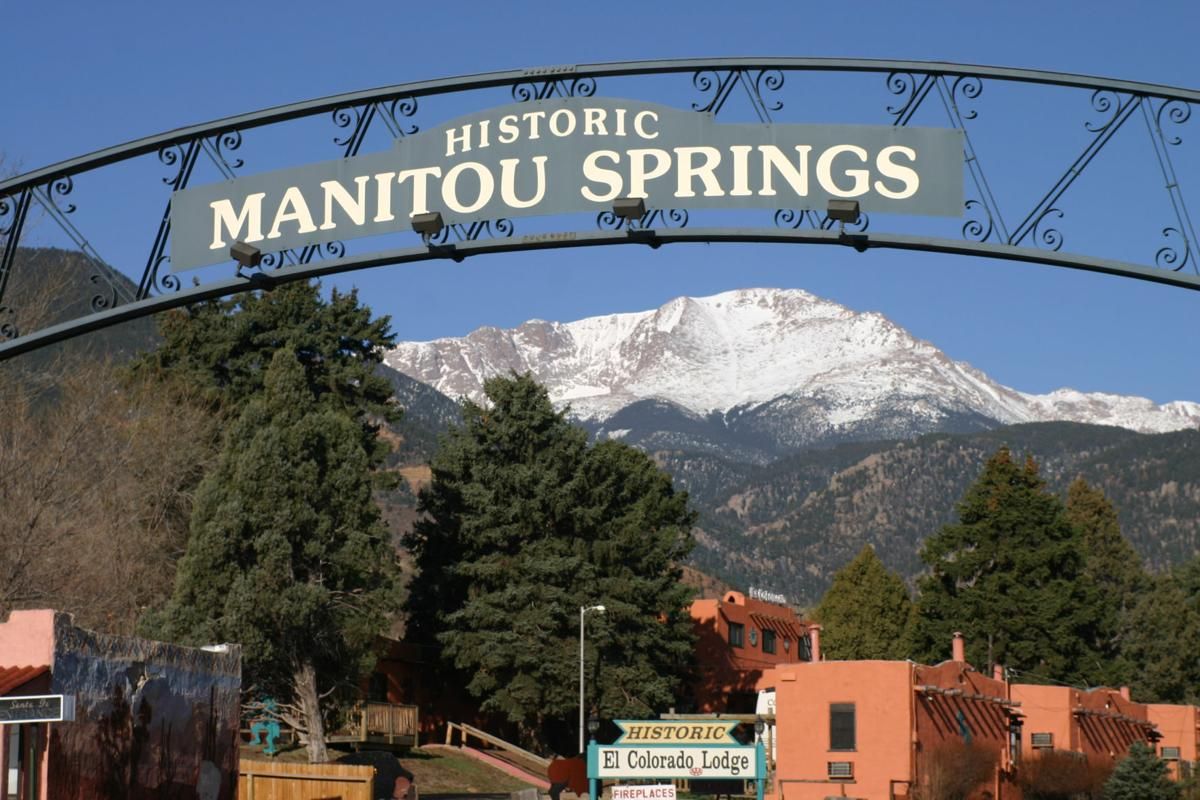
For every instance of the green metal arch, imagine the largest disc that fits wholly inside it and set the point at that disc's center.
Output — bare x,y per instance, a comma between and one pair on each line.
18,190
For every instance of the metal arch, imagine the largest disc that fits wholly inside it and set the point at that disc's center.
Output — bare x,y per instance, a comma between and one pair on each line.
438,86
653,238
912,83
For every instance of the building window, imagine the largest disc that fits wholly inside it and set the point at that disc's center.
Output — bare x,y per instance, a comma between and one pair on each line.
377,688
737,634
768,641
841,726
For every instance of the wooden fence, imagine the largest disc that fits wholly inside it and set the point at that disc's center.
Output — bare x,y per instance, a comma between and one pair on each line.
274,780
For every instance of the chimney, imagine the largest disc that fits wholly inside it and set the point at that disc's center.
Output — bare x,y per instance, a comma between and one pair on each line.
814,639
958,650
998,672
1125,693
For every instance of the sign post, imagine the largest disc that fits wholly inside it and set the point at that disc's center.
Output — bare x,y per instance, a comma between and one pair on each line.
667,749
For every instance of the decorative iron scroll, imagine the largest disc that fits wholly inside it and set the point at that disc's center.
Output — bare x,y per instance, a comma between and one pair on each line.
797,218
482,229
949,95
554,87
357,120
756,84
653,218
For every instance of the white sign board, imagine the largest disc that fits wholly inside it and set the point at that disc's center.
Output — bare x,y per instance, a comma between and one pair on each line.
661,761
658,791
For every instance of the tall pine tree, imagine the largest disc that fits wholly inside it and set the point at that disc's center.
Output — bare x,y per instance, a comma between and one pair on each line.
287,553
1111,563
1160,640
867,612
222,348
524,525
1010,574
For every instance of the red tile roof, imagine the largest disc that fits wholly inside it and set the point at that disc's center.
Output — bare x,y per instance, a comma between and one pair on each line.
13,677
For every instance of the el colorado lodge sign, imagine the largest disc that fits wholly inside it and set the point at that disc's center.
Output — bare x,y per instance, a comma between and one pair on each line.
567,155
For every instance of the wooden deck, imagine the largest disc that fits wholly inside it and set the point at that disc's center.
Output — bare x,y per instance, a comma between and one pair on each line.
378,724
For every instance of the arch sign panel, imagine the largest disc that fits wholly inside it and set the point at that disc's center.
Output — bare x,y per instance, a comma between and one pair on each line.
572,154
662,750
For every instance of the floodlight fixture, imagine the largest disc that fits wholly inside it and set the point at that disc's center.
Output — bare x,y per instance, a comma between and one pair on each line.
428,224
246,255
843,211
629,208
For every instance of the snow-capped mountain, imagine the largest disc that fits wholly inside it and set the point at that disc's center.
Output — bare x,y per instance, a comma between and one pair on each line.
774,369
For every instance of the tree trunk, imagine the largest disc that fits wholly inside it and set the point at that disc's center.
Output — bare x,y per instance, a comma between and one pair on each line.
305,681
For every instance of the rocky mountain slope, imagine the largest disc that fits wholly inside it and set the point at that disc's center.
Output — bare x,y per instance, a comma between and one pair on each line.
804,430
760,373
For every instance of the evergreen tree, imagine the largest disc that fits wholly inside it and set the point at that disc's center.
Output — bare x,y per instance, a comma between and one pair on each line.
867,612
287,553
1109,558
1140,776
223,348
524,525
1188,577
1160,641
1010,575
1111,563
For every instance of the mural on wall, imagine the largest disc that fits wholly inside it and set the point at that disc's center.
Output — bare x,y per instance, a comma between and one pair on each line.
153,720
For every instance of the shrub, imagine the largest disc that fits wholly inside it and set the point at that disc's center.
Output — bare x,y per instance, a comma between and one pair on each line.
953,770
1061,775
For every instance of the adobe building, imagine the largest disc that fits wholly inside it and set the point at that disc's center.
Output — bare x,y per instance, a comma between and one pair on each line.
739,637
152,720
1097,724
881,729
1179,729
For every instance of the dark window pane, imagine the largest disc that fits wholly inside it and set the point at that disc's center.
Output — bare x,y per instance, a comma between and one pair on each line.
841,726
737,634
768,641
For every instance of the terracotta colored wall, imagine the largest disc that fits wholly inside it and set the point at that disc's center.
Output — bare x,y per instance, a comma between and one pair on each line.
880,692
27,639
1046,710
956,705
1180,727
729,676
1100,724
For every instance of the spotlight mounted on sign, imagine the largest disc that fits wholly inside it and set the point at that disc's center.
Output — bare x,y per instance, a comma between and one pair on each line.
843,211
246,255
630,209
429,224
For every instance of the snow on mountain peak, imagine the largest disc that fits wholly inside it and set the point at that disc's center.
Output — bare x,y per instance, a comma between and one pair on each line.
750,347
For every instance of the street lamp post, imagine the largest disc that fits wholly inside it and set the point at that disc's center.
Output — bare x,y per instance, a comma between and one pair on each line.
583,610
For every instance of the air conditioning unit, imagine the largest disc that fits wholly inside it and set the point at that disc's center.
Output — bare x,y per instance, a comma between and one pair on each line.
1042,741
1170,753
841,770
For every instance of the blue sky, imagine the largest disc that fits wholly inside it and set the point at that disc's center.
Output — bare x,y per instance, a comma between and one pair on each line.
80,76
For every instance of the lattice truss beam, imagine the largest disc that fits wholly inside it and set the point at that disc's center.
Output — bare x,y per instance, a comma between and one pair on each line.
911,93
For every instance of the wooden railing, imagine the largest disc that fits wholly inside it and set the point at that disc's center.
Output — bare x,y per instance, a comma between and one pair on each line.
522,757
379,723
